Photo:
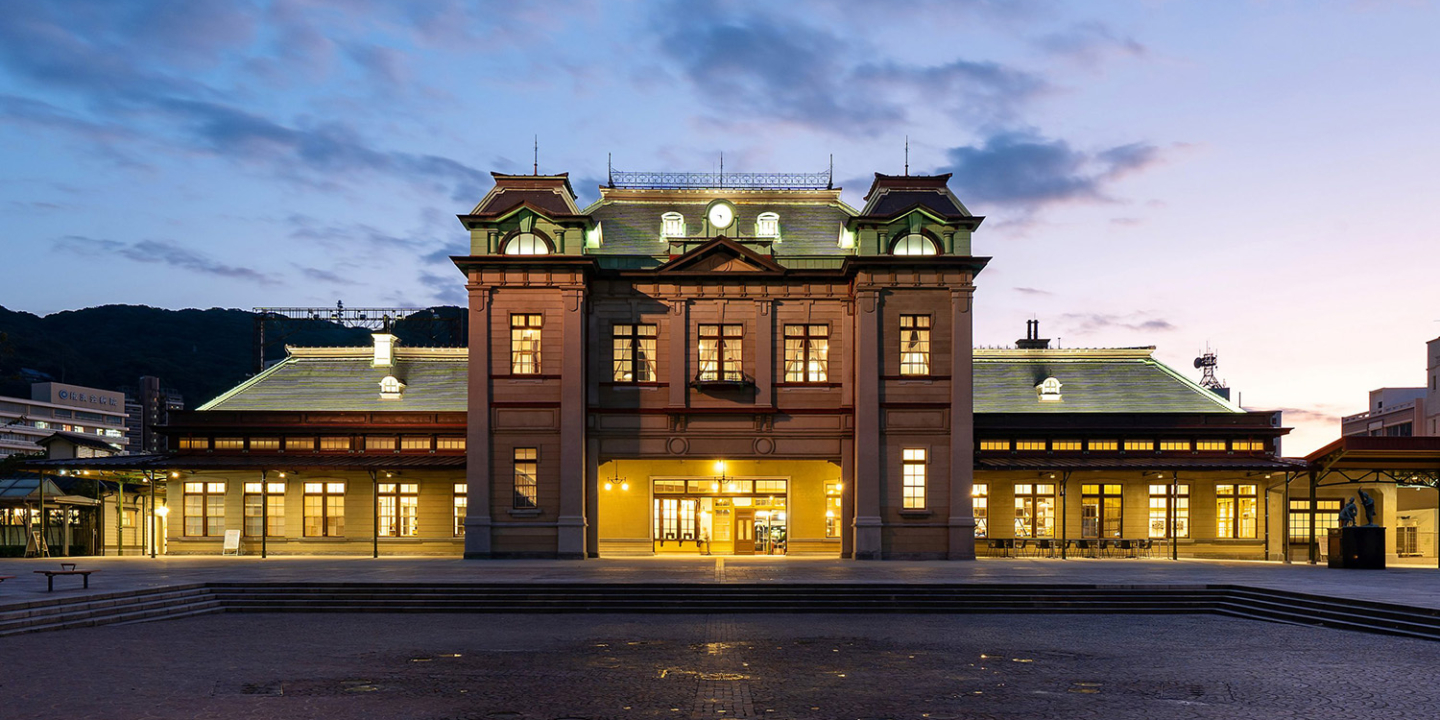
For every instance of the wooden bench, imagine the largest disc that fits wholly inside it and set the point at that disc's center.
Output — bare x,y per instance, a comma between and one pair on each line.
50,576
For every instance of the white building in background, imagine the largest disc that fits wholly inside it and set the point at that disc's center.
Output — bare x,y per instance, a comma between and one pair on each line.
1402,411
57,407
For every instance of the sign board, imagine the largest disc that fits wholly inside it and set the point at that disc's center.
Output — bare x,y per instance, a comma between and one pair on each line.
232,543
80,397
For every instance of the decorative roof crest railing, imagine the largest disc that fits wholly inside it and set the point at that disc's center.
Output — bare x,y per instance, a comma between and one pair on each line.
664,180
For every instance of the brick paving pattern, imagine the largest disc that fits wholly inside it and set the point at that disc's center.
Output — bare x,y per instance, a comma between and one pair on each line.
926,667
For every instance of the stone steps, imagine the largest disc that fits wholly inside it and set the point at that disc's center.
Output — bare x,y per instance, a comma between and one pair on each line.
672,598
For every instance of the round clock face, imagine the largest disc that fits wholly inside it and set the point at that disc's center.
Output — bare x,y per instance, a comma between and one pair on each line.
721,216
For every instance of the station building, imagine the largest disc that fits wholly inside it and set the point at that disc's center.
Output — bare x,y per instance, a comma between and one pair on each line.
737,365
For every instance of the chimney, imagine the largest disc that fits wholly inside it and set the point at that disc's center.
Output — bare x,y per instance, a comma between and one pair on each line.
384,350
1032,340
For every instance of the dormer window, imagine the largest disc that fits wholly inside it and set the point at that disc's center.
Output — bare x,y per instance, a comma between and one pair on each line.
913,244
391,388
672,225
767,225
526,243
1049,390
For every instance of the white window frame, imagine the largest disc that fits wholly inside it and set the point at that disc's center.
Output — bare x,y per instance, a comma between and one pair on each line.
672,225
767,225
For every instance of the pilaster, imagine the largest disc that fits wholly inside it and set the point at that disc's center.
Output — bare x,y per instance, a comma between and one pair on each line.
961,523
477,436
867,481
570,523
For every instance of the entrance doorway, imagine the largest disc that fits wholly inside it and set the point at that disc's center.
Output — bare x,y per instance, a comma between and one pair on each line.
726,516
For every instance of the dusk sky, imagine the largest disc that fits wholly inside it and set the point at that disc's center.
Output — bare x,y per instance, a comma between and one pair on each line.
1259,177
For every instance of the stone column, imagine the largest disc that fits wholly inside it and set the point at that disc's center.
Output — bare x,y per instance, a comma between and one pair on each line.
847,498
477,434
867,478
570,524
961,523
678,327
764,353
592,497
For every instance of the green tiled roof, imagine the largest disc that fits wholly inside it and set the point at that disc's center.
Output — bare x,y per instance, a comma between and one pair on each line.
340,379
1092,381
633,228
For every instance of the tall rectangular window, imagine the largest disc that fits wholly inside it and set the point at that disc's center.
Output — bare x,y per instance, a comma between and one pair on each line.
980,501
399,509
807,353
1327,515
914,344
913,478
1235,511
324,509
462,491
1160,510
204,509
527,469
271,512
832,509
1100,511
525,344
634,353
1034,510
719,353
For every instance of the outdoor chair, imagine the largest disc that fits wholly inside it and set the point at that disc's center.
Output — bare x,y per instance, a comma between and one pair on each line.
1085,548
1021,547
1045,547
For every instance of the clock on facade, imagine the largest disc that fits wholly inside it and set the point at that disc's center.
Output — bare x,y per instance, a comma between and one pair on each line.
721,215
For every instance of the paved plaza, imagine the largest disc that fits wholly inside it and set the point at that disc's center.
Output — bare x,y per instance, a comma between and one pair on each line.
1413,586
476,667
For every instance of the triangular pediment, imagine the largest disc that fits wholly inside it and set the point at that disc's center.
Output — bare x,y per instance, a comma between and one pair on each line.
722,256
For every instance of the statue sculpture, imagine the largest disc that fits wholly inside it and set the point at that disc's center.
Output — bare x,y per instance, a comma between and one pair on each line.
1369,504
1348,513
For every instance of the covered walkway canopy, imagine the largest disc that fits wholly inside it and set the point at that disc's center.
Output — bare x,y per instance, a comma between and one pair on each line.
1404,461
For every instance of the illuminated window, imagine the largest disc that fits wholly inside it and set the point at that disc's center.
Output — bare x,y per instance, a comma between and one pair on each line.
272,510
634,353
994,444
399,509
1327,515
1034,510
304,444
720,353
527,468
204,509
832,509
913,478
1049,390
1100,511
1235,511
672,225
767,225
770,486
1210,445
379,443
462,490
264,443
1247,446
186,443
980,501
1173,445
229,443
449,443
415,442
1160,510
914,344
324,509
1139,445
913,244
1029,444
526,244
1065,445
807,352
335,443
525,344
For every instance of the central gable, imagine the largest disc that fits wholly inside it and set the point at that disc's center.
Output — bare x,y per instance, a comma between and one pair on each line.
722,256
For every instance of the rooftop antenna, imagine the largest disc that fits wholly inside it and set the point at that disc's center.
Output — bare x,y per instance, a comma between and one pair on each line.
722,169
610,169
536,169
907,156
830,179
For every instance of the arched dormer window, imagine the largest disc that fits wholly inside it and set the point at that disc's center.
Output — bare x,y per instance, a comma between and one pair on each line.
767,225
913,244
391,388
526,243
672,225
1049,390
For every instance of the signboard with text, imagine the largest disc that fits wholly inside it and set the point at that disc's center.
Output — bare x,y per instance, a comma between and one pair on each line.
80,397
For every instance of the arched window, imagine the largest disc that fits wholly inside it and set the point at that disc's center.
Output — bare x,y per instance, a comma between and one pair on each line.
672,224
391,388
913,244
767,225
526,244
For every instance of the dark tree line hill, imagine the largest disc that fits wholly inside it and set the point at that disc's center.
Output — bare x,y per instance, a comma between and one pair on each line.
200,353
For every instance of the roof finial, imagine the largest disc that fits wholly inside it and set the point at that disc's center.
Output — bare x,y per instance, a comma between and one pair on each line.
610,169
830,179
536,169
722,168
907,156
